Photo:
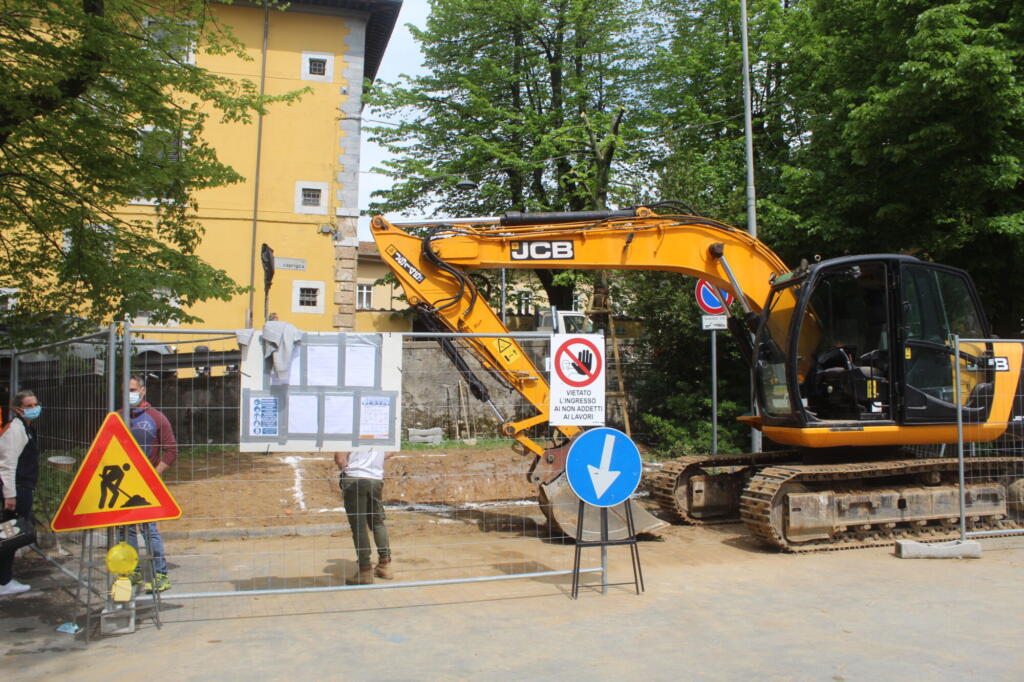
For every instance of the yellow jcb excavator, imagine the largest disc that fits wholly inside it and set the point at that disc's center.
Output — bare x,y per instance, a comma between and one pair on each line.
851,359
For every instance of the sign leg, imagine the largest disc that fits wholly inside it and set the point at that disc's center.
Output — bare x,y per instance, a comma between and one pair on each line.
638,573
604,550
579,548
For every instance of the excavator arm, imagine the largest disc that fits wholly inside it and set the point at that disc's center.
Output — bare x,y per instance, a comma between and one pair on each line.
430,260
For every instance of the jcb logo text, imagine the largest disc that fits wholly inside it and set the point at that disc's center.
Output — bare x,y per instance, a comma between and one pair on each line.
541,250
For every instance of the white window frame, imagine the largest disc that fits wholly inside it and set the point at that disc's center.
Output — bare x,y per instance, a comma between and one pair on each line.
190,49
297,286
364,297
320,209
8,298
327,57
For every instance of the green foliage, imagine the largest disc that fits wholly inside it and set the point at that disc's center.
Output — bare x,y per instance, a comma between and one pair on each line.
917,127
532,100
878,127
99,108
673,386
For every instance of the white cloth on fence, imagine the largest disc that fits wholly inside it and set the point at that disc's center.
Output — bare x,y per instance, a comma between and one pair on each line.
244,336
279,339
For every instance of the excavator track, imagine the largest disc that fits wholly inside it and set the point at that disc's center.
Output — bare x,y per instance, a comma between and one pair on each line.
763,503
670,486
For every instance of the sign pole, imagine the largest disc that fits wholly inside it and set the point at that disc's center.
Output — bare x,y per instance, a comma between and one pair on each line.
714,393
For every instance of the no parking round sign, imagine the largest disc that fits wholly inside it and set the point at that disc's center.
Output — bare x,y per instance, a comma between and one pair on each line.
710,299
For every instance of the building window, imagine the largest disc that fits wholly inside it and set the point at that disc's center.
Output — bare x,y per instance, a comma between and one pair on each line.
160,148
307,296
174,41
364,296
311,197
8,298
318,66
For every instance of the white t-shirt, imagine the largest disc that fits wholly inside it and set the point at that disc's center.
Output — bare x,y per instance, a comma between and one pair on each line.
366,463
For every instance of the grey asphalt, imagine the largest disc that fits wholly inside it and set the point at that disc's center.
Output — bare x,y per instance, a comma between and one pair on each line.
714,608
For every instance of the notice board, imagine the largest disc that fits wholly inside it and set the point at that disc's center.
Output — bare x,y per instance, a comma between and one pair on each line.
340,391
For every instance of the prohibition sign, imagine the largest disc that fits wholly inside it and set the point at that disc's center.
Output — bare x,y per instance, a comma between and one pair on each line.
709,299
589,373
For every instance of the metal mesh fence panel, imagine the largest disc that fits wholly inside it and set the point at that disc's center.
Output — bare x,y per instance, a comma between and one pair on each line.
72,381
990,415
458,507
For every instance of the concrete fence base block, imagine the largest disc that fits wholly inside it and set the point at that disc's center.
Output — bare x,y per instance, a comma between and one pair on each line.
954,549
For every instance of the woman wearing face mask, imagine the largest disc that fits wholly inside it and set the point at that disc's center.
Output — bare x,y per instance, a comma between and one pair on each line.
19,471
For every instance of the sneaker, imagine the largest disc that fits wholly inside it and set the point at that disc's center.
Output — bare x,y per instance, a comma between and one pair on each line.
12,588
136,577
383,570
162,583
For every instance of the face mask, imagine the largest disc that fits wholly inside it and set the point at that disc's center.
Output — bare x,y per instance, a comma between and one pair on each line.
33,412
134,398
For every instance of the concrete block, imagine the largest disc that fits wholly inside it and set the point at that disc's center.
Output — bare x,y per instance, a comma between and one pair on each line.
432,436
954,549
344,321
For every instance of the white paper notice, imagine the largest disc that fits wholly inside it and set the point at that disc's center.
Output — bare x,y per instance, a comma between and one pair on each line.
338,413
302,414
374,417
360,365
321,365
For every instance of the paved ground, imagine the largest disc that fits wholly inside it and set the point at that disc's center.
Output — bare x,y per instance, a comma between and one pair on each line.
715,608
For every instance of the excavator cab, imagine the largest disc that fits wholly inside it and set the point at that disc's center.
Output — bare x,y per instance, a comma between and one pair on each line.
861,342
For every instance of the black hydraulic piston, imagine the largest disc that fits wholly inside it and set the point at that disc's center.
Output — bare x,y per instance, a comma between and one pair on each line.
517,219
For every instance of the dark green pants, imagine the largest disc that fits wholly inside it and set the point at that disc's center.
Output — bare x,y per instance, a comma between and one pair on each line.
365,510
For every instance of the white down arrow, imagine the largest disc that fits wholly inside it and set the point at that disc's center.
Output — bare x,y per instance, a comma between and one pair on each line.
602,477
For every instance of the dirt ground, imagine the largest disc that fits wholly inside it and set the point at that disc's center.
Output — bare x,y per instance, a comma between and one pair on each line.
232,490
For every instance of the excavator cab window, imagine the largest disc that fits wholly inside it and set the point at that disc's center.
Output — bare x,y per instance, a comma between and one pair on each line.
938,302
843,348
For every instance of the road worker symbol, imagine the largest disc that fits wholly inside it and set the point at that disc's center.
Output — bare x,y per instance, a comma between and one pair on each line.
578,362
111,479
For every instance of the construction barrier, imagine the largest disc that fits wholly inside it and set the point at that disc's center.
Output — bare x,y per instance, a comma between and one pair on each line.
273,523
990,435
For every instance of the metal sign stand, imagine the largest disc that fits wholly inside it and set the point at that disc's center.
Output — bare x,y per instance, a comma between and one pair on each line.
604,542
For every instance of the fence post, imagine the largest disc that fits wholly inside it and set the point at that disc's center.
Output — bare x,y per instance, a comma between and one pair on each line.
126,369
112,367
9,414
960,438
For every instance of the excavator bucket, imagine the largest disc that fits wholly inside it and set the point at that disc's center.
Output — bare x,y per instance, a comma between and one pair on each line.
561,507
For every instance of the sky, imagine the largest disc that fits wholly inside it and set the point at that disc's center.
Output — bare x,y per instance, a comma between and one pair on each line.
401,57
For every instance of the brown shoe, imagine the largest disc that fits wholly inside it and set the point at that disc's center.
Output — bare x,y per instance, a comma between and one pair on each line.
363,577
383,570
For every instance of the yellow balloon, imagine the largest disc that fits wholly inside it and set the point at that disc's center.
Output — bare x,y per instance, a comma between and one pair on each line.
122,559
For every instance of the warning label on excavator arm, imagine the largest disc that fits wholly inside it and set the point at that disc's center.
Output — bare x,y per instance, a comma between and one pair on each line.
577,380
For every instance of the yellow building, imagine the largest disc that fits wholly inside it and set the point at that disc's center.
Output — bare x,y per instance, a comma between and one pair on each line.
300,162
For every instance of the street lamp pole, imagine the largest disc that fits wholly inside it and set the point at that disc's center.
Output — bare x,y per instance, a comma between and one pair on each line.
748,134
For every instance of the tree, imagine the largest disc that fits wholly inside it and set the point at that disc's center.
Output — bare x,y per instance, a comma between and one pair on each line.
530,99
101,106
917,137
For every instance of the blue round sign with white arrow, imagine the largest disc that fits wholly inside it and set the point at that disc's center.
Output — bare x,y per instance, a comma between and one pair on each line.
603,467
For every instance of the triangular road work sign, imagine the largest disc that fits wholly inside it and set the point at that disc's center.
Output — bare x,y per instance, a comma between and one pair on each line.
116,485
